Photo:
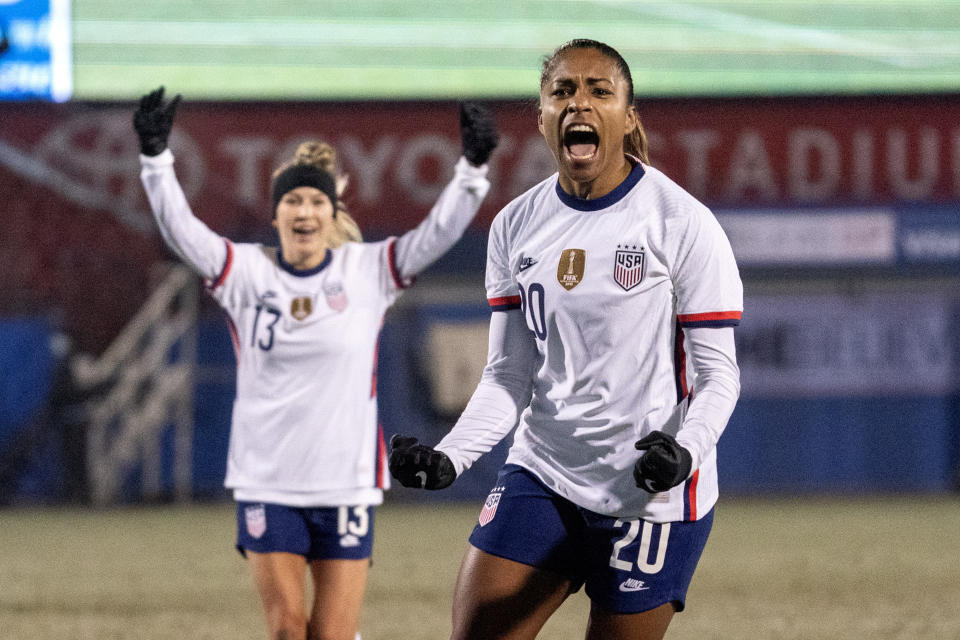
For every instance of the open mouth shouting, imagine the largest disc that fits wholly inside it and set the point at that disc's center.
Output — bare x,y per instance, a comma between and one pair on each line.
304,232
581,142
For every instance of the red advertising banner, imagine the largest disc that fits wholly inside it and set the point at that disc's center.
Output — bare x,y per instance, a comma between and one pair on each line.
74,212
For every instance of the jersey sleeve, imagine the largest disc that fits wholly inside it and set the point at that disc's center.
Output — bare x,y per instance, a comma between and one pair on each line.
501,396
233,286
373,265
189,238
707,281
713,356
709,305
507,382
503,292
449,217
391,281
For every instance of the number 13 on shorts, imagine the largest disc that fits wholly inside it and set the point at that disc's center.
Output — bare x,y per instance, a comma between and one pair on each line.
353,521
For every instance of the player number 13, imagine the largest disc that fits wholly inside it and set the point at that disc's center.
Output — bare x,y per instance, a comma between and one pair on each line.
353,520
265,343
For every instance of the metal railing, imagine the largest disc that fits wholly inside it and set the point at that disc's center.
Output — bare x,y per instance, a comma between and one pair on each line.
148,373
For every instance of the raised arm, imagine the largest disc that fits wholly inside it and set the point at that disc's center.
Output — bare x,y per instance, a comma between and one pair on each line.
461,198
193,242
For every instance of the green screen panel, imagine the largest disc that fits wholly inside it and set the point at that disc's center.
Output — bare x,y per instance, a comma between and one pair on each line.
368,49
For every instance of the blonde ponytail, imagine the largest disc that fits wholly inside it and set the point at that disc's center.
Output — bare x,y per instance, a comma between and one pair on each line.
347,228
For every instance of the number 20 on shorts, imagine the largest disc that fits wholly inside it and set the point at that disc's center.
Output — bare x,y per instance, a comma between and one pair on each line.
643,555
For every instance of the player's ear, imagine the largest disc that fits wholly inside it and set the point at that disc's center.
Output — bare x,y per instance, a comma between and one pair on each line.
540,119
631,121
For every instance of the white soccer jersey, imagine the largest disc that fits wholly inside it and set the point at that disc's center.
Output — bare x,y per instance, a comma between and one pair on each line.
605,287
304,426
305,416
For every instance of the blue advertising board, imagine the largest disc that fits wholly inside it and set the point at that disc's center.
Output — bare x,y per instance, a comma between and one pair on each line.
903,235
35,57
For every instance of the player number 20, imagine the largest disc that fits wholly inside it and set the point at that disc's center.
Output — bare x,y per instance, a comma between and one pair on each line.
643,556
533,305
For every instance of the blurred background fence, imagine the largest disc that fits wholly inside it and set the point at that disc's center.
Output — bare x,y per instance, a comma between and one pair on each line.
826,137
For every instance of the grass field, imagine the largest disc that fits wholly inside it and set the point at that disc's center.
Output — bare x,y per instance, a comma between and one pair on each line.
803,569
309,49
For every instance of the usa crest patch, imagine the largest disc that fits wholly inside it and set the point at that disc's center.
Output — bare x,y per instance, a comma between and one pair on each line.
490,506
256,519
628,266
336,296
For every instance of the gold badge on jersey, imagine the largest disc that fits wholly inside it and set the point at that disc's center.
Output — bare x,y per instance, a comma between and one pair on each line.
570,268
301,307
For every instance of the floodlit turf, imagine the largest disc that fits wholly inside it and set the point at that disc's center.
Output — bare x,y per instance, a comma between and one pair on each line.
234,49
804,569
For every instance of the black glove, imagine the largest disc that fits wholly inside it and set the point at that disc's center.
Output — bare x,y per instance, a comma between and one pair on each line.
153,121
664,465
418,466
478,133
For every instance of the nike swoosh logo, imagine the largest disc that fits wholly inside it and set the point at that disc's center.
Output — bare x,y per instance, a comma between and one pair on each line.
423,478
527,263
628,588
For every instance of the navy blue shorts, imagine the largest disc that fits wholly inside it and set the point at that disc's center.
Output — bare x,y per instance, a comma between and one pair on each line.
316,533
627,565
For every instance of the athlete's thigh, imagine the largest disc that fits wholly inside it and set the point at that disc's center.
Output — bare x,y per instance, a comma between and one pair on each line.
500,598
338,596
525,558
638,565
279,578
649,625
341,543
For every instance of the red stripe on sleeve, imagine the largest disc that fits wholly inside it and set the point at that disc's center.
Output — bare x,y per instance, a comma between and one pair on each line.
381,466
394,271
227,264
234,338
376,362
692,494
505,302
681,367
706,317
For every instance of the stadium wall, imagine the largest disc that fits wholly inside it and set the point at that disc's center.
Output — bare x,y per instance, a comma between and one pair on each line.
843,212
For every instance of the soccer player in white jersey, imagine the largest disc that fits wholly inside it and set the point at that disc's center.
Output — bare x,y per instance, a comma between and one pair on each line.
614,296
306,457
